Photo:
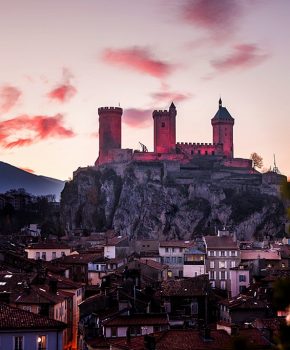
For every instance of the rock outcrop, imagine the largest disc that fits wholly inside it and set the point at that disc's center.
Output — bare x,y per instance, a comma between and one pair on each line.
148,201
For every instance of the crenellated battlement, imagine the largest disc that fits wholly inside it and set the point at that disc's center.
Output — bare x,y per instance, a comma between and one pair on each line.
196,144
160,113
113,110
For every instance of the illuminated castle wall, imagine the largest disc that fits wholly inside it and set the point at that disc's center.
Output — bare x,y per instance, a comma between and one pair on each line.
165,146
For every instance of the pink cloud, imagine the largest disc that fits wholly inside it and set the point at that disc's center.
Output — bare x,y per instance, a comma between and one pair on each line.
243,56
218,17
138,59
64,91
134,117
9,95
37,127
168,96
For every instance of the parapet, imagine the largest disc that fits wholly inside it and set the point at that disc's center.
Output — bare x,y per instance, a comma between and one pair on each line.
160,113
110,110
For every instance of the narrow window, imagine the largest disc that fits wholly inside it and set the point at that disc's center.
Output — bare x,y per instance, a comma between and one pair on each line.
18,343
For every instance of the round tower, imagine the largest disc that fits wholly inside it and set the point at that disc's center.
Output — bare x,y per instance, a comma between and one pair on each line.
223,125
165,130
109,132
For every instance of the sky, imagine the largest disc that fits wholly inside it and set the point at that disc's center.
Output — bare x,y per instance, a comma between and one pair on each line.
62,59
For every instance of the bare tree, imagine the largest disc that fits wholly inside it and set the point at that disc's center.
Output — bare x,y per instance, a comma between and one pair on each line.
257,160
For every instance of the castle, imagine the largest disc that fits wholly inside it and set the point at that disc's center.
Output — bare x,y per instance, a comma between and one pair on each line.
221,150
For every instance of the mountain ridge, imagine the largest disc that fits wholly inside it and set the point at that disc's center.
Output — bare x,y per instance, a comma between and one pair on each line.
12,177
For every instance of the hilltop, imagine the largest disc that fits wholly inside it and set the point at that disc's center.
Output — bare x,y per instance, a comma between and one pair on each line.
12,177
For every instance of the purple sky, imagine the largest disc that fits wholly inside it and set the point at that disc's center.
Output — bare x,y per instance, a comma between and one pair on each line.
62,59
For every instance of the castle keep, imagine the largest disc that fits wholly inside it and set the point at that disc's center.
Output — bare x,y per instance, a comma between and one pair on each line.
165,145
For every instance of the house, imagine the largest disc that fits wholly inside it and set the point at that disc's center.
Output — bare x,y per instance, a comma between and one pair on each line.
117,247
47,250
185,300
20,329
47,295
77,266
135,324
172,254
243,309
240,279
194,262
259,260
222,253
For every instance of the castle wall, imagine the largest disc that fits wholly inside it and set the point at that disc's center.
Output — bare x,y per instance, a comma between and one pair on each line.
238,163
192,149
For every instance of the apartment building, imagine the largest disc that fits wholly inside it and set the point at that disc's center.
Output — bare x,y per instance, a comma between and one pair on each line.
223,254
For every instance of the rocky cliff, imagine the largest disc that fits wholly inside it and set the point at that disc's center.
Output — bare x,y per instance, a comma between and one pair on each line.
148,201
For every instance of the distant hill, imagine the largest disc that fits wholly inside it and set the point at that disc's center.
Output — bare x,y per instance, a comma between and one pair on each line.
12,177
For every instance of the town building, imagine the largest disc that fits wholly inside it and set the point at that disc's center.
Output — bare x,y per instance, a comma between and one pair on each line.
172,254
47,250
223,254
194,262
20,329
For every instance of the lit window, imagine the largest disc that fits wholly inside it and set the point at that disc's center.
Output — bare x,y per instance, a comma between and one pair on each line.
2,283
7,276
222,264
18,343
41,342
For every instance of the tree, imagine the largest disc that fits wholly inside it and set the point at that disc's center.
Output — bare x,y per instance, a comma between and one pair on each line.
257,160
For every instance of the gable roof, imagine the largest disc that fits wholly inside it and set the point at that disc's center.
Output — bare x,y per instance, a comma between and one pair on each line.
14,318
222,242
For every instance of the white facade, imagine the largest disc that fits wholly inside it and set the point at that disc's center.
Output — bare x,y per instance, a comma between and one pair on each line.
47,254
240,280
110,251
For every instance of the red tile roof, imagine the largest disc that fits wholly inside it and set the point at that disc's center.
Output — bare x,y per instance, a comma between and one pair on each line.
139,320
195,286
223,242
178,244
154,264
13,318
179,340
48,245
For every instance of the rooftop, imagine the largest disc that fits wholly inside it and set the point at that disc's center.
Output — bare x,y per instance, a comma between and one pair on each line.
14,318
222,242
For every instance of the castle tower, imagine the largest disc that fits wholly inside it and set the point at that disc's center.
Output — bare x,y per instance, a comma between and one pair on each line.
222,124
109,132
165,130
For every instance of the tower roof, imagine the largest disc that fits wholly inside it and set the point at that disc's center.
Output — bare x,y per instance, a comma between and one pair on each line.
222,114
